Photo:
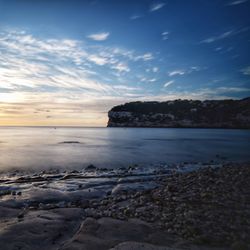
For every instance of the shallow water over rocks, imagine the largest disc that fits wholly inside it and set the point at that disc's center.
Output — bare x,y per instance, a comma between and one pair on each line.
55,188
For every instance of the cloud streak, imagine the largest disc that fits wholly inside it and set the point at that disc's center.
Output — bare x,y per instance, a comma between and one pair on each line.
237,2
156,6
219,37
102,36
165,35
168,83
181,72
224,35
177,72
246,71
134,17
33,64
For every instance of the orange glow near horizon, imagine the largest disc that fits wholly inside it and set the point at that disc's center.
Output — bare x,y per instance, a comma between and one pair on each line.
39,109
54,123
15,116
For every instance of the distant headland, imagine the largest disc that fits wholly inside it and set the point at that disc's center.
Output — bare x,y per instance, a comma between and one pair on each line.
183,114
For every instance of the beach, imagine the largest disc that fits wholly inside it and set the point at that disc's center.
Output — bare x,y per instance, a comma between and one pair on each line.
180,208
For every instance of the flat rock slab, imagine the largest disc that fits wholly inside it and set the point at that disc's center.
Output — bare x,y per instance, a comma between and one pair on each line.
38,230
146,246
106,233
140,246
67,229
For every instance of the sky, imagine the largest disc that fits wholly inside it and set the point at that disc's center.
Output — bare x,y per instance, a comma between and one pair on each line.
67,63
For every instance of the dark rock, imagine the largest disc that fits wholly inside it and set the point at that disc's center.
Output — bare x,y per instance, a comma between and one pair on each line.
5,192
70,142
90,168
20,215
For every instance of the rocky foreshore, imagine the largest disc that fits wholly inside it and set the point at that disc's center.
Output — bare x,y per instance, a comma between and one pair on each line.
210,206
203,209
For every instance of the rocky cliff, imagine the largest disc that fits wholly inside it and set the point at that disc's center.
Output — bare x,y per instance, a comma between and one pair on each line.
182,113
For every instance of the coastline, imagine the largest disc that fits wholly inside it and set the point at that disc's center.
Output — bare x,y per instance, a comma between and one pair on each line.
200,209
182,114
180,127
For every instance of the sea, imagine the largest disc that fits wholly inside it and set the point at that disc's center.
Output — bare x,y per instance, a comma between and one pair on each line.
43,148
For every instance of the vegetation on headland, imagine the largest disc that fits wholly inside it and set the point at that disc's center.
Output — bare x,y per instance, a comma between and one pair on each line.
182,113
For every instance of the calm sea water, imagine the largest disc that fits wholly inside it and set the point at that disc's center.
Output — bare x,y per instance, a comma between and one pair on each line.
43,147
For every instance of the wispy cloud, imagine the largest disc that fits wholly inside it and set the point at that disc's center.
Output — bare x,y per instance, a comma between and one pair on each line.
34,65
121,67
147,79
127,88
230,89
237,2
152,80
224,35
218,49
155,69
203,93
165,35
102,36
145,57
156,6
98,59
246,71
168,83
218,37
181,72
177,72
134,17
67,75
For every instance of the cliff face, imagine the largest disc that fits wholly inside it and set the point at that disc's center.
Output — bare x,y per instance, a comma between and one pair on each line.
182,113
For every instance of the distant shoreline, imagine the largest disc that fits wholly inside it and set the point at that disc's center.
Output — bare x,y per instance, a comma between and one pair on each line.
124,127
178,127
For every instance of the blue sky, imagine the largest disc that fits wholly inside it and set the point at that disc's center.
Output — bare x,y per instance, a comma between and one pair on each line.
69,62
